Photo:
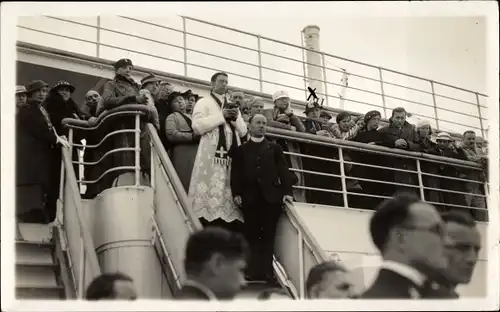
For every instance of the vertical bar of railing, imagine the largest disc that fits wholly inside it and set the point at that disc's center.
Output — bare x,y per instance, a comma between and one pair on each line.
420,181
70,141
480,116
301,264
184,43
152,175
137,134
260,64
382,91
303,63
435,104
98,40
342,177
81,275
324,77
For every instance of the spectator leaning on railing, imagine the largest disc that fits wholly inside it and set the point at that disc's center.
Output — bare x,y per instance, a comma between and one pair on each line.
123,90
345,129
400,134
313,123
283,114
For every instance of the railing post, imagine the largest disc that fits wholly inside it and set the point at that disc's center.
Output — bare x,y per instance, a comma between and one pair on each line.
184,43
382,91
81,277
152,166
480,116
435,105
420,181
342,177
98,40
137,134
324,77
260,64
301,265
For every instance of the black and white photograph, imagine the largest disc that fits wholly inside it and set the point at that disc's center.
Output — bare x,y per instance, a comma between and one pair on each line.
282,154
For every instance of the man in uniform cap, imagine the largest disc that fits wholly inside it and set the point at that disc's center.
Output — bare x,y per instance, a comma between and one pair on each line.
122,89
21,96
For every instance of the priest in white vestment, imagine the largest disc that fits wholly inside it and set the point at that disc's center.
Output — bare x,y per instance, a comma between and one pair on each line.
210,188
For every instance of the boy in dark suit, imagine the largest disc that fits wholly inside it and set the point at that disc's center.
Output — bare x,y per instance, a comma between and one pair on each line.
410,236
260,184
214,264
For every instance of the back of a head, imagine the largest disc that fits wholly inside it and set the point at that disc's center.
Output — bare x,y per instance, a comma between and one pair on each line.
273,293
209,241
317,273
459,217
390,213
103,286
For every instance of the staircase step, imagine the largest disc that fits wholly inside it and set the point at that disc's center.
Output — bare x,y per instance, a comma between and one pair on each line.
40,293
34,232
35,276
34,252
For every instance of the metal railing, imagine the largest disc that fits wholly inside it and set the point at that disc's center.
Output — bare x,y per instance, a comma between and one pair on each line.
447,107
73,225
331,163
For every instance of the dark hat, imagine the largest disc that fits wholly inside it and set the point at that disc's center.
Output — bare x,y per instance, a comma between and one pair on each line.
371,114
341,116
62,83
325,114
149,78
122,62
189,93
36,85
311,105
173,95
20,89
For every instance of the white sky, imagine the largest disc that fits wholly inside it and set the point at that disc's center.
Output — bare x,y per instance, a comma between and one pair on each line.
450,49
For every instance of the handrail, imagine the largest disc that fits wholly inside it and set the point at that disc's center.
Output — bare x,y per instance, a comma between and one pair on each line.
127,109
350,145
172,175
203,84
327,54
87,242
308,237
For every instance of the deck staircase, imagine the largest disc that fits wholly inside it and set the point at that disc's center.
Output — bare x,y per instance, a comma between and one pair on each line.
37,270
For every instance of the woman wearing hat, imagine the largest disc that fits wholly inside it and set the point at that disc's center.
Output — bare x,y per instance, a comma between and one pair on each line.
182,139
36,145
21,97
191,100
60,105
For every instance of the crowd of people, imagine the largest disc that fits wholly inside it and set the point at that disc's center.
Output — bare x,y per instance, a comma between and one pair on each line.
232,173
403,229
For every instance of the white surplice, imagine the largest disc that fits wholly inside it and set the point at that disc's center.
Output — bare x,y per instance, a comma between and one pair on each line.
210,189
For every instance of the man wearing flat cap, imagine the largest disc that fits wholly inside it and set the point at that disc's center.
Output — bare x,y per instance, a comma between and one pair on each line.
123,90
150,85
21,96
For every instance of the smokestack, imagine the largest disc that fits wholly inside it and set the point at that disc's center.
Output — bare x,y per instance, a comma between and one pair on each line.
314,71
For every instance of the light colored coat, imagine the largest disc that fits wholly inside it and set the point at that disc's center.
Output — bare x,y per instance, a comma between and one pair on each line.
210,189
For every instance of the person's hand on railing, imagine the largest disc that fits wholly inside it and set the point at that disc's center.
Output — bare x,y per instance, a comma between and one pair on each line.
63,141
141,98
92,121
323,133
400,143
288,199
238,201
